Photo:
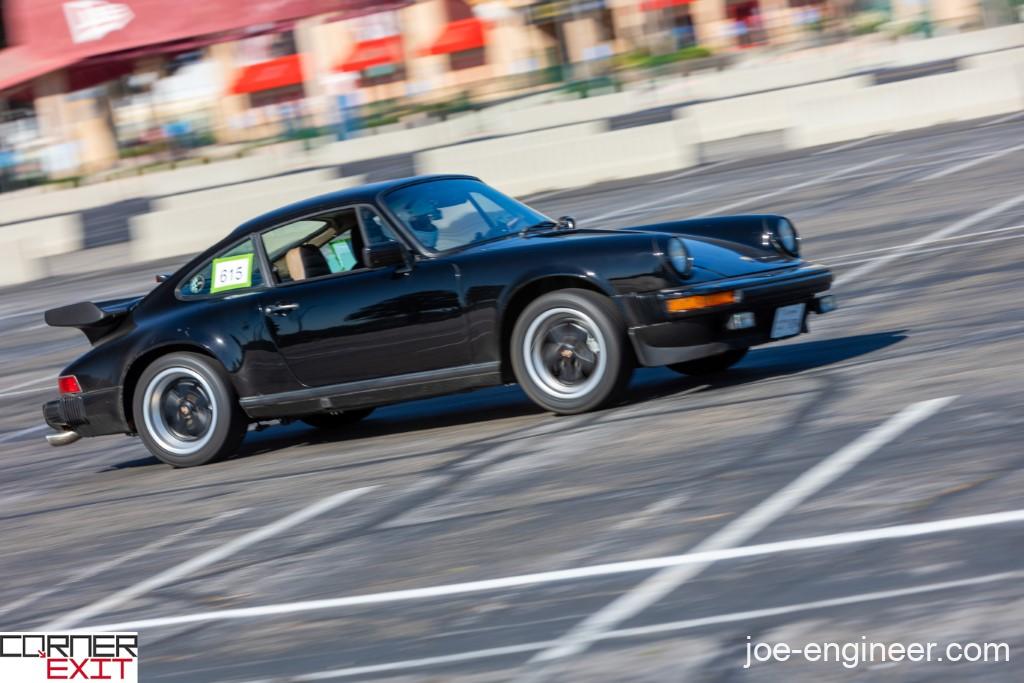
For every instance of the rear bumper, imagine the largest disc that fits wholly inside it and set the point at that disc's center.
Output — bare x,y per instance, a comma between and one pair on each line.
92,413
666,338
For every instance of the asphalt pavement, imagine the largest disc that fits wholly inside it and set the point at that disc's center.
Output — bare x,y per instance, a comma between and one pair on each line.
861,483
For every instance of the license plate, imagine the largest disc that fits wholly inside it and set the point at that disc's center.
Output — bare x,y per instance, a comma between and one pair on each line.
789,320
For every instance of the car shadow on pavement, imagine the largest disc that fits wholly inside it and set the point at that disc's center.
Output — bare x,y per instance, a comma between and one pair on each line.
767,362
497,403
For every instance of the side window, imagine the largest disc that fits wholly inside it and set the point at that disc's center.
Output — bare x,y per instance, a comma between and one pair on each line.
315,248
235,269
376,228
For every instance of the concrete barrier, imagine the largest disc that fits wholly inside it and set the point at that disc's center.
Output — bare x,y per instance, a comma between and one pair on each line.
761,113
455,156
907,105
200,176
558,163
919,51
398,142
26,246
279,184
509,122
51,201
756,79
190,229
1011,57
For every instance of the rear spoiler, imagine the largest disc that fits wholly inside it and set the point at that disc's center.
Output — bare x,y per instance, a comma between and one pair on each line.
96,320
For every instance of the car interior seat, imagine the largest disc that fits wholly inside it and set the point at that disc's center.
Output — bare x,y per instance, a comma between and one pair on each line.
306,261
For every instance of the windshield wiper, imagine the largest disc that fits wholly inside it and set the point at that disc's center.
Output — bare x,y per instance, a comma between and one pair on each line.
538,226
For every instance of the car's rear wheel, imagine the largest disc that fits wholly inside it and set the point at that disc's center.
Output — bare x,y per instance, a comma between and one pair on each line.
569,351
186,411
329,421
709,365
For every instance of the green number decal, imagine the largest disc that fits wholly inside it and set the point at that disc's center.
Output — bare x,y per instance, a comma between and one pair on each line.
231,272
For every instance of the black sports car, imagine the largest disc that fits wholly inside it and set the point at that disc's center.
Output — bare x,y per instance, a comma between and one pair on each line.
324,309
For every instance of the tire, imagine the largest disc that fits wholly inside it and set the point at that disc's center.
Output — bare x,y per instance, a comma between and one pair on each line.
709,365
329,421
186,411
569,351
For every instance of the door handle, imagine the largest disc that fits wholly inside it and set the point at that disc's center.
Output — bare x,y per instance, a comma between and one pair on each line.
279,309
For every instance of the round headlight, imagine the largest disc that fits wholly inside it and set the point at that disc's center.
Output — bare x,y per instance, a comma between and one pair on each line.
679,256
786,234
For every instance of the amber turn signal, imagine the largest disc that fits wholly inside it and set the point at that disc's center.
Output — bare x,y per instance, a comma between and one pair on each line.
690,303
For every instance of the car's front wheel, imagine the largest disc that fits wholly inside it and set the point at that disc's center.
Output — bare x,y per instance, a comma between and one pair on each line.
186,411
709,365
569,351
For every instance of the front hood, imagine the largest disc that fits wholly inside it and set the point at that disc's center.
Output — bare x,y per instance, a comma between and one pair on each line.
730,259
712,258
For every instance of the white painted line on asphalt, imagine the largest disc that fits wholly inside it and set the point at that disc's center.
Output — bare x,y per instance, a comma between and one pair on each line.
740,530
1002,119
13,390
963,166
204,560
740,617
14,436
656,508
963,236
408,664
700,559
818,180
687,172
101,567
848,145
959,226
702,555
25,392
653,629
910,252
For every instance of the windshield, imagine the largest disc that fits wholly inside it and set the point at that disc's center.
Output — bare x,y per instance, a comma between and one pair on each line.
448,214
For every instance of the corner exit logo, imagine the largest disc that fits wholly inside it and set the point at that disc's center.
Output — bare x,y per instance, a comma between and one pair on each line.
90,20
34,657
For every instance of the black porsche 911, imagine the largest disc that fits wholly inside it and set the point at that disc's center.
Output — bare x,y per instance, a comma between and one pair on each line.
324,309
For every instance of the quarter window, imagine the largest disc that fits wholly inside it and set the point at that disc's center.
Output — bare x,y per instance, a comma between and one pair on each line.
234,270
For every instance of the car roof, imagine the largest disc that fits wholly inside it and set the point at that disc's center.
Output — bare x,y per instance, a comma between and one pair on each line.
325,202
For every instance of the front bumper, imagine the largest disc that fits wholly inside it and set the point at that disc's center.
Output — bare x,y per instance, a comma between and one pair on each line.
660,338
92,413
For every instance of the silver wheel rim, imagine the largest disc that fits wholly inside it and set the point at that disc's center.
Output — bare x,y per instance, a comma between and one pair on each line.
180,410
565,353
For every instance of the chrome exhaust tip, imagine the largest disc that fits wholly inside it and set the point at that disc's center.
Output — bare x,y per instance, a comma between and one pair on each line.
63,438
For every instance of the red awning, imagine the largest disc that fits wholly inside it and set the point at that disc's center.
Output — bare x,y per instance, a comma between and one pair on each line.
458,36
276,73
48,35
654,5
371,53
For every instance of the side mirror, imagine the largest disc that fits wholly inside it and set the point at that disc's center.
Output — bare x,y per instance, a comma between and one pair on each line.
566,223
386,254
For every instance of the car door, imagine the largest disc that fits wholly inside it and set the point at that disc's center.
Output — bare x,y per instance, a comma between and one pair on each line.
356,323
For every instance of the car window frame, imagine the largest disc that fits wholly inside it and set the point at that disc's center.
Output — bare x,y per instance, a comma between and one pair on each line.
417,246
324,215
258,258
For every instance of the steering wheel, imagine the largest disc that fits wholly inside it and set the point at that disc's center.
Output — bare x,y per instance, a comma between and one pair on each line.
504,226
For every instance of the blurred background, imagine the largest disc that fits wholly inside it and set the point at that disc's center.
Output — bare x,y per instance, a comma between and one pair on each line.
123,111
134,133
